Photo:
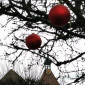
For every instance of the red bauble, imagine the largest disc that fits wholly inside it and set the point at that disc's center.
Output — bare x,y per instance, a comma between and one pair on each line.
33,41
59,15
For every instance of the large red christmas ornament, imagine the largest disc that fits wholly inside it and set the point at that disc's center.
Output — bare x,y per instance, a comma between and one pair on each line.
59,15
33,41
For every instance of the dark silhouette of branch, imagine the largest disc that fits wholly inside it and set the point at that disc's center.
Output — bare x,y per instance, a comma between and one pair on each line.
68,61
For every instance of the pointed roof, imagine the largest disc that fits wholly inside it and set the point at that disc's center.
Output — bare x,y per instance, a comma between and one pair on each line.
47,61
48,78
12,76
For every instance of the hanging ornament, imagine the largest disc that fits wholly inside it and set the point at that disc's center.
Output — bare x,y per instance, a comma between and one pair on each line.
33,41
59,15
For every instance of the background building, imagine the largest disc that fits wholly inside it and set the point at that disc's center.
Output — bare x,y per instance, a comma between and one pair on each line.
47,77
12,78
